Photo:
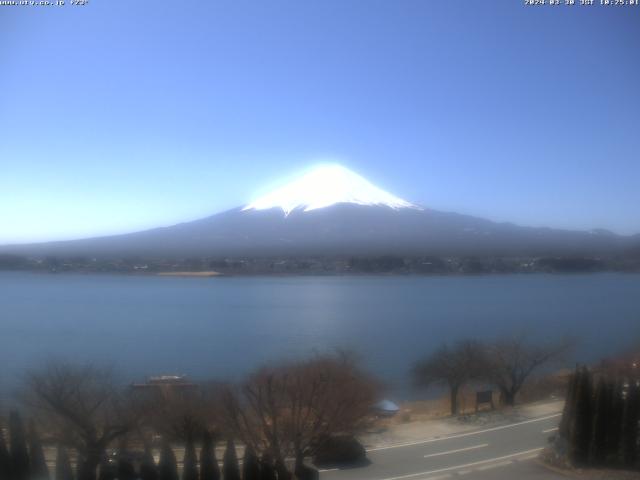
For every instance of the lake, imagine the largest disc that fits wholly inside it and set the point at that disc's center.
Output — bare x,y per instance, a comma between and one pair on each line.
224,327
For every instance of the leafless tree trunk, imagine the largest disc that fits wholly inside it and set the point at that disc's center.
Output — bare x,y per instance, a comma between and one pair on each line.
452,366
511,361
82,406
289,410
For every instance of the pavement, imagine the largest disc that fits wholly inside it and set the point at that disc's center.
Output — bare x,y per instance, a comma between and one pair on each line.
508,450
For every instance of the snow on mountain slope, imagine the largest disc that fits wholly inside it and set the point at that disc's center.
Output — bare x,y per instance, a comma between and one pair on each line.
327,185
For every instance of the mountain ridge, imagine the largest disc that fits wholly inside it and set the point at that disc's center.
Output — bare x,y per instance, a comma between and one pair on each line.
332,211
341,229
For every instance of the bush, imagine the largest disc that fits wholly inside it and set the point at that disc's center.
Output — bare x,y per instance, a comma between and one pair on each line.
338,450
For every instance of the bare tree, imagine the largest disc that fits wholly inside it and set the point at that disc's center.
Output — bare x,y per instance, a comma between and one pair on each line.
289,410
511,360
82,406
451,366
178,412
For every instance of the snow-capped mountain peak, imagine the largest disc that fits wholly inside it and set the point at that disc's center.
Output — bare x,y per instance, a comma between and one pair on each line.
323,186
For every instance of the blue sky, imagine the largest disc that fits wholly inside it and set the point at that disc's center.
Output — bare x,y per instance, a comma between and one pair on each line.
123,115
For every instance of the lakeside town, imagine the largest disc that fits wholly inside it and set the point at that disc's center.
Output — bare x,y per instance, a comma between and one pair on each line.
328,265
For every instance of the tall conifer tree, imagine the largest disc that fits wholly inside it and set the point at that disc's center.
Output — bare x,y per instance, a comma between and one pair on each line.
18,448
5,458
230,468
251,465
38,464
602,408
580,437
631,415
190,461
568,414
167,467
614,424
267,470
148,467
209,469
63,464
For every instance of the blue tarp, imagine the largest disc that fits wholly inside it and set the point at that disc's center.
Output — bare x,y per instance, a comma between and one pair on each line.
387,406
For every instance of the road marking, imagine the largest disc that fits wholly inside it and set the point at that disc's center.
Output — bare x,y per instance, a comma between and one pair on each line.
328,470
466,465
460,435
494,465
548,430
456,450
527,457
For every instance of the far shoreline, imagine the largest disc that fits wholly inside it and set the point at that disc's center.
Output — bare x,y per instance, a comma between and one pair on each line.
210,273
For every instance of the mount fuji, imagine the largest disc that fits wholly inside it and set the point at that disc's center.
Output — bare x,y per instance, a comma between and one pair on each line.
332,211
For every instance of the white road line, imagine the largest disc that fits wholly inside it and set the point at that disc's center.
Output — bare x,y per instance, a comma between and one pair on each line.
328,470
456,450
494,465
460,435
550,430
466,465
527,457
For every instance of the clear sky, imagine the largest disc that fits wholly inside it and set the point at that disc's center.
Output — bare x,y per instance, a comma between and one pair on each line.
123,115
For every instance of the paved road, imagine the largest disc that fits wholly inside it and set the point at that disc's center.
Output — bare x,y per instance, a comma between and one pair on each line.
502,452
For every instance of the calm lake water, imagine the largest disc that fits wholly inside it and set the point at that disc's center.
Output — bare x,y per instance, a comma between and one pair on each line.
224,327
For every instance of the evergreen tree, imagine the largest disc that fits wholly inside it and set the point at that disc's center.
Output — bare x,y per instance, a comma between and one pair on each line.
580,437
126,470
38,464
209,469
19,453
167,467
267,472
602,408
631,415
5,458
190,461
107,471
148,468
230,468
63,465
569,406
251,466
614,424
282,471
